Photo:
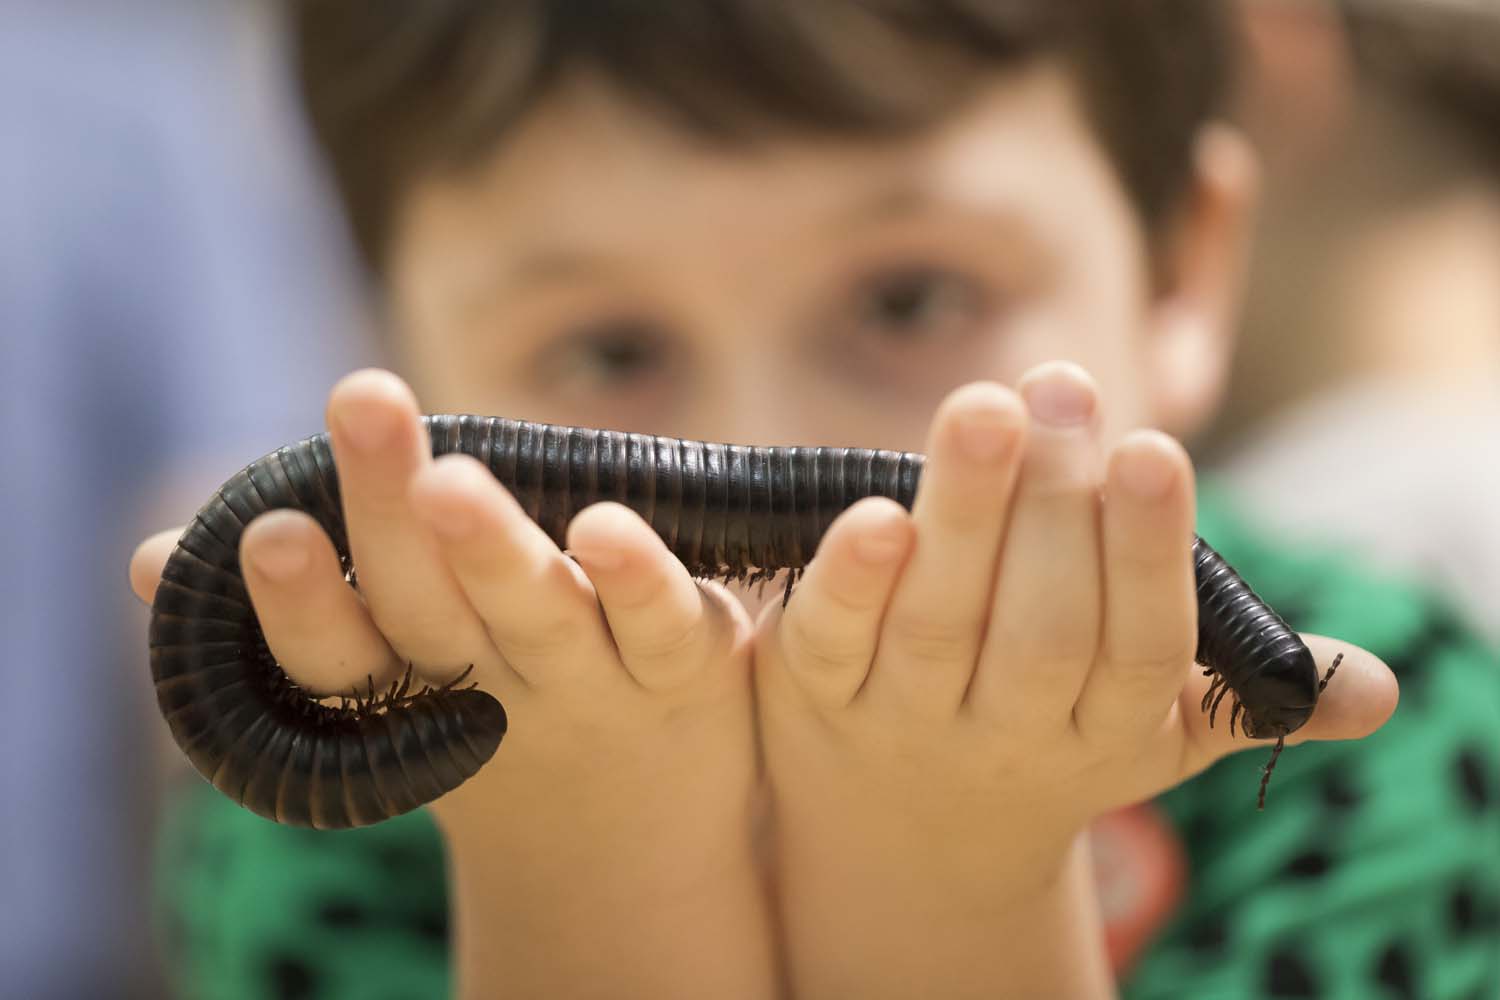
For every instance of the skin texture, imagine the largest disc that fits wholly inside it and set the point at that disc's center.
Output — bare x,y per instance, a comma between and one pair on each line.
952,695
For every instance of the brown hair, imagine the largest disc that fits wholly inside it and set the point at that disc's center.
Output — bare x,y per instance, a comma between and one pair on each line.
1437,63
399,88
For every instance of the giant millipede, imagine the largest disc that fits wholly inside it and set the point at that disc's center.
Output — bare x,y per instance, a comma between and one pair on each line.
727,511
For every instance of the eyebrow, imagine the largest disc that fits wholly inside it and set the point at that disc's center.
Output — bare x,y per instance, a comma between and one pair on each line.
903,199
551,264
897,201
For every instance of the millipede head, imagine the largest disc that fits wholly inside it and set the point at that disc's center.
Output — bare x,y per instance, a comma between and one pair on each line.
1280,698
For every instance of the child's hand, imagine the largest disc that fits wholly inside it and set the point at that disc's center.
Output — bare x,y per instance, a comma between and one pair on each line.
952,695
611,829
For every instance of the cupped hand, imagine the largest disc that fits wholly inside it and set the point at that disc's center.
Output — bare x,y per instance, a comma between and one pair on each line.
971,683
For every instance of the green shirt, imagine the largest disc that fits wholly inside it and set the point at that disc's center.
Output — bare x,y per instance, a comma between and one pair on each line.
1374,871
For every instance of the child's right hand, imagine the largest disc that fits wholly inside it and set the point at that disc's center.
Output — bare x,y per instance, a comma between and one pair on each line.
629,767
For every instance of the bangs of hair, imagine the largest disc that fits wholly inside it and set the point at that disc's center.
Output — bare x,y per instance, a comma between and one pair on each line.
396,89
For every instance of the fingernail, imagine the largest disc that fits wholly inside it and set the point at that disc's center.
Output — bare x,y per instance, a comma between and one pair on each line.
1062,397
878,548
280,559
370,430
600,559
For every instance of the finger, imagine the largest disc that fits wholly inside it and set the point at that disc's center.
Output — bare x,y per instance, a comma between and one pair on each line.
827,633
936,619
665,627
1044,622
1358,700
379,444
314,623
148,560
1150,598
536,606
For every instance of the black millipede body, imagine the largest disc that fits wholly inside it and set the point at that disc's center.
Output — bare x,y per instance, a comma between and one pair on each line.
727,511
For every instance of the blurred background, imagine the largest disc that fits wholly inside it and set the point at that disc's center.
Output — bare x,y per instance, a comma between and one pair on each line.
176,298
174,301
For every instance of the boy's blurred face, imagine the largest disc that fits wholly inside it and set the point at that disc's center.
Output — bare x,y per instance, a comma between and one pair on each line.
608,270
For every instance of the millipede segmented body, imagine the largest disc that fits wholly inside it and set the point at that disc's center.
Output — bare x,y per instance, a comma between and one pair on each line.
726,511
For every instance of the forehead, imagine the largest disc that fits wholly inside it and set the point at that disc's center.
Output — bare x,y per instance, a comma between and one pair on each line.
588,175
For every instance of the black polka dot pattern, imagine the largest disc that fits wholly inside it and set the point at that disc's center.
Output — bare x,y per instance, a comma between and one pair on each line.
1309,865
398,858
1340,794
342,913
1209,935
1394,970
433,927
1463,911
1470,772
1287,975
1413,665
291,978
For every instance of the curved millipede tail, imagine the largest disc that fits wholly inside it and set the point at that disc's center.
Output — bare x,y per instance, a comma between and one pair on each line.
246,727
732,512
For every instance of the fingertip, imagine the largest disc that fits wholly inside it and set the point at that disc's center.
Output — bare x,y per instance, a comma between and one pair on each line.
368,407
278,545
450,481
610,526
1149,444
988,397
982,421
1379,693
283,524
882,542
876,508
147,562
880,515
367,385
1150,467
1361,697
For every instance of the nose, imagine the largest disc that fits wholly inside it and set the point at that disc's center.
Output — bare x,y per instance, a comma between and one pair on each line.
750,398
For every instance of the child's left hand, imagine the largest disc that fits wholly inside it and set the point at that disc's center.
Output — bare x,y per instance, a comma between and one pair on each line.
952,695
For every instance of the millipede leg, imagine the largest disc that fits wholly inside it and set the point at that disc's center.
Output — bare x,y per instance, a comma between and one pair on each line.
1329,676
1208,696
1215,709
792,575
1265,779
455,682
1238,707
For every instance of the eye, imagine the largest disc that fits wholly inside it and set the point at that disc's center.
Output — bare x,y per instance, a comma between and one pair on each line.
608,354
916,303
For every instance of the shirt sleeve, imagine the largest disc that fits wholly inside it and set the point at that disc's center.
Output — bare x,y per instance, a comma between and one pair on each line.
1374,870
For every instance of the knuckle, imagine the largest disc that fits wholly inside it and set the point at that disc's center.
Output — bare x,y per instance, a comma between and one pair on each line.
1148,661
540,638
410,628
846,602
820,649
646,595
930,640
1142,560
671,641
1046,643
